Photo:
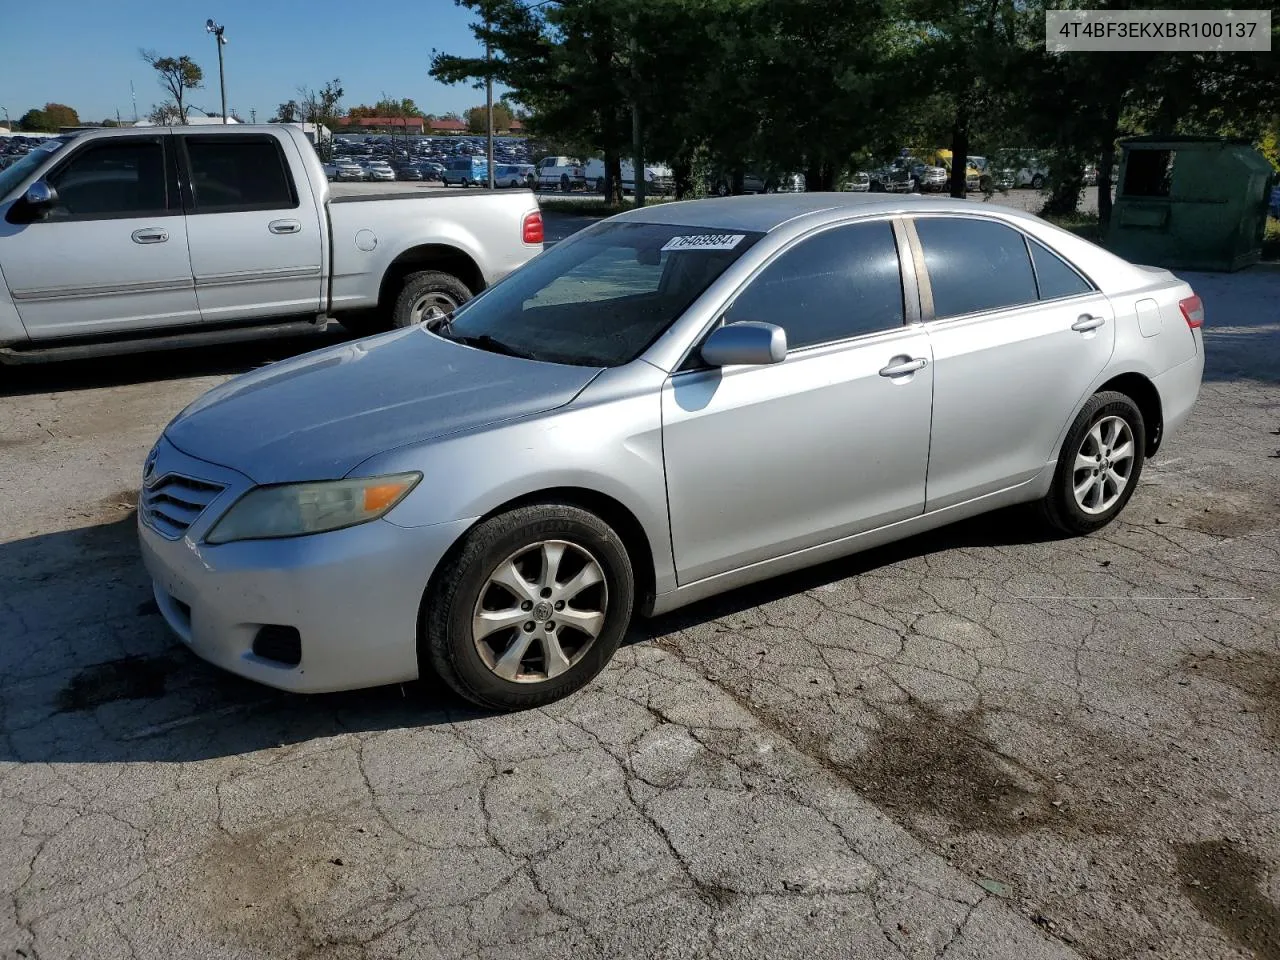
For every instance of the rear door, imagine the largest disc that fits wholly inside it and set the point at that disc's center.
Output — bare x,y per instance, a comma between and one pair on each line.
111,255
256,242
1018,338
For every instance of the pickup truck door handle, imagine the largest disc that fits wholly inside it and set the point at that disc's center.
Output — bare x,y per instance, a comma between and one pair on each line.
150,235
901,366
1087,322
285,226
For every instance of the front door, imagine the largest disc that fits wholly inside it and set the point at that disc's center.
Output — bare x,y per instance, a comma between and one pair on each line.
256,241
1018,337
763,461
111,255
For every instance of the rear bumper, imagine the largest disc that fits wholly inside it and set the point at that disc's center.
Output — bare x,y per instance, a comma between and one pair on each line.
1178,389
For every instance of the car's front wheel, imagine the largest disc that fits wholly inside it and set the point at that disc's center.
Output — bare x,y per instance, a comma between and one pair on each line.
1098,466
529,608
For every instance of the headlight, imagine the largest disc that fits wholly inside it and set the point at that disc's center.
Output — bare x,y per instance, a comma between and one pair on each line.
294,509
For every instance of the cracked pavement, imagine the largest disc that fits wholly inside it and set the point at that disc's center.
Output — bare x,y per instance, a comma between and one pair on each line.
978,743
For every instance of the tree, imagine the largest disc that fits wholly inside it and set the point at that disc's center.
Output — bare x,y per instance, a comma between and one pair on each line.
34,121
52,118
60,115
166,114
177,76
323,108
287,112
478,118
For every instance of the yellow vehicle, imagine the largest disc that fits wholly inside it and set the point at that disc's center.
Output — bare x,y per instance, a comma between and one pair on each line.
972,175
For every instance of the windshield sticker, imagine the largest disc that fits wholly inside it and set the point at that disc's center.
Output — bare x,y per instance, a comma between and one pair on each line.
706,241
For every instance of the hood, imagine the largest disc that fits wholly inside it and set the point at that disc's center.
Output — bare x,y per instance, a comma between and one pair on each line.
316,417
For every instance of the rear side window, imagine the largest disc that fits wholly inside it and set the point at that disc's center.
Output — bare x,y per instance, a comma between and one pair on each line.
975,265
239,173
1054,276
115,178
841,283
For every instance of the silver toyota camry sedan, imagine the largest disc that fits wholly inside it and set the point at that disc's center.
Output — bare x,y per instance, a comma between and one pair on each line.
672,403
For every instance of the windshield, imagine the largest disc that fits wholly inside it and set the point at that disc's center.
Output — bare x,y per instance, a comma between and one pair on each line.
13,175
602,299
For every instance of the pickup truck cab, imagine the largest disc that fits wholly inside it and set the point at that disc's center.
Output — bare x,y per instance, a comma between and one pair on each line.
128,239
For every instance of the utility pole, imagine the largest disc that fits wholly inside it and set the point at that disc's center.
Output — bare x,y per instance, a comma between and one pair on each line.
133,95
637,145
488,95
218,38
253,116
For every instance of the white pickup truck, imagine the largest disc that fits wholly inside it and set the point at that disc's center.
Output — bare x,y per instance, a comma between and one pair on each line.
121,240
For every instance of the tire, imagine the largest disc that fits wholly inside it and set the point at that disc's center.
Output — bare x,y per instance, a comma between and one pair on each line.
1037,182
425,290
564,183
600,185
875,187
985,184
463,587
1062,507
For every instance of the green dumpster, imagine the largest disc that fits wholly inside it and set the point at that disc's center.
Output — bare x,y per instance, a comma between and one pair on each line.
1190,203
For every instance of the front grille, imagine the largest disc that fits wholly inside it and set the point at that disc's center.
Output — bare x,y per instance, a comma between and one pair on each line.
174,503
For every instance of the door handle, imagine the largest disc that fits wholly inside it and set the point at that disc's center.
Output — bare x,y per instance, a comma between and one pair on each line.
284,226
1087,322
900,367
150,235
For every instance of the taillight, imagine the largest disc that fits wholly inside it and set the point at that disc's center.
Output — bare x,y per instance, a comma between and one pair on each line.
1192,311
533,227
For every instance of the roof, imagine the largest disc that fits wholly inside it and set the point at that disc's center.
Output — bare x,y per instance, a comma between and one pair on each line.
764,212
447,125
387,122
191,122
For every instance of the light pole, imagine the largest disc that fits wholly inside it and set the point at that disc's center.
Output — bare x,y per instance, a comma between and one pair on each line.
217,30
7,122
488,96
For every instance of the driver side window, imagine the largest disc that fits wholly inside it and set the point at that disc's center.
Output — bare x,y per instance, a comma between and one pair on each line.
115,178
841,283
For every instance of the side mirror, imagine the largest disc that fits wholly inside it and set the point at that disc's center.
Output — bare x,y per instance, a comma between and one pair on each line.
40,195
746,342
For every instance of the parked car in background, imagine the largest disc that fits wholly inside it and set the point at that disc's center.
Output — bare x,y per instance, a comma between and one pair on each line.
991,178
856,183
349,170
432,170
407,171
662,375
901,175
657,177
513,175
759,181
379,170
1274,208
468,171
561,173
105,253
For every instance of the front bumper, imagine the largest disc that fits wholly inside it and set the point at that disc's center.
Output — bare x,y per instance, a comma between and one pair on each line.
353,595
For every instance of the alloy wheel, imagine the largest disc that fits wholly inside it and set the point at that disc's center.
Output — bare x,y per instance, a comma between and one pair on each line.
539,611
431,306
1103,465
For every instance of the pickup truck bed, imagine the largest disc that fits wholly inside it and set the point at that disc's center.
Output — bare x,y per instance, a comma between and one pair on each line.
136,238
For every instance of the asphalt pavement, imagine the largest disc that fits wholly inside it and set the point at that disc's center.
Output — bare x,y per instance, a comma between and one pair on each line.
983,742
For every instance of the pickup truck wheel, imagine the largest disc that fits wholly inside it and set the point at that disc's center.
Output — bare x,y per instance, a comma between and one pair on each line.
1037,182
428,294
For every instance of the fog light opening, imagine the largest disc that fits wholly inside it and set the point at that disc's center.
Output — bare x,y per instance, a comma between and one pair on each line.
279,643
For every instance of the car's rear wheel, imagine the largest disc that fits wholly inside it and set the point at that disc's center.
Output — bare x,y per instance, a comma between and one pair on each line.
564,183
427,295
1099,465
529,608
1037,182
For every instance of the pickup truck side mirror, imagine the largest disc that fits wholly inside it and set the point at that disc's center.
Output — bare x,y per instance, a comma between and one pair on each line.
40,196
34,205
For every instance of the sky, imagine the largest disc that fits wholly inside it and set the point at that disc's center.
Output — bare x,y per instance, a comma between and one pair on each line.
87,54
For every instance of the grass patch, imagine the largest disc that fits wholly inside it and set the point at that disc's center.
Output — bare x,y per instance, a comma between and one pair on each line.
1084,225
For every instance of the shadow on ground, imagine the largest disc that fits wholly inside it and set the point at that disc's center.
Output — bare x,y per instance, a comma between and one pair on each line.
91,673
